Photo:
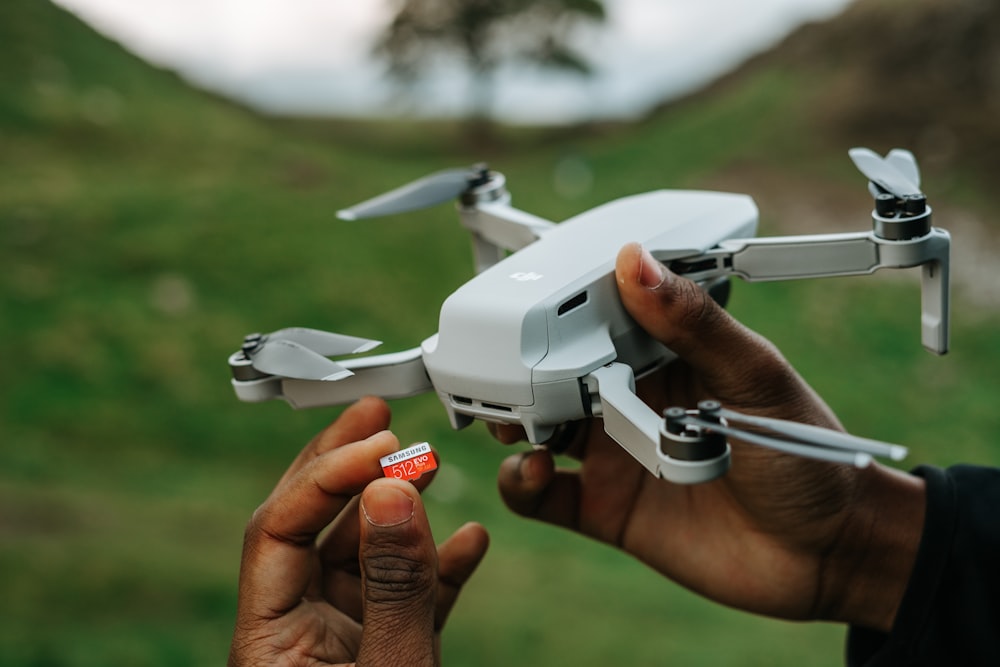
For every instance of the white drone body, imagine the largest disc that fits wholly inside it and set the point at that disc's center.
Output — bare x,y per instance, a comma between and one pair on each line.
539,337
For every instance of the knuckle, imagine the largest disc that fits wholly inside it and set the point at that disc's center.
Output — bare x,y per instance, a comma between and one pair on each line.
696,310
395,578
252,530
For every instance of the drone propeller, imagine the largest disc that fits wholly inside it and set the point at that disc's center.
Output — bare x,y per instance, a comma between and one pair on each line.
895,174
904,162
324,342
301,353
682,427
425,192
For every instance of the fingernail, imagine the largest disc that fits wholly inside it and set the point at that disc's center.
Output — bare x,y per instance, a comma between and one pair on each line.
651,273
385,506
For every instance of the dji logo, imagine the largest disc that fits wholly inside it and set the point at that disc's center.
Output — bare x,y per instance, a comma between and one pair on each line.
523,276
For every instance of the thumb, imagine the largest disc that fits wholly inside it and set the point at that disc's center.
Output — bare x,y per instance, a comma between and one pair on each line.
398,577
734,363
684,317
679,314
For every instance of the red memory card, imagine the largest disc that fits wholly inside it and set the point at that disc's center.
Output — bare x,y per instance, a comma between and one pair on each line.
409,463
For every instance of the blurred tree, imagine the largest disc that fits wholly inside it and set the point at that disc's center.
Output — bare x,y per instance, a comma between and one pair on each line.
484,34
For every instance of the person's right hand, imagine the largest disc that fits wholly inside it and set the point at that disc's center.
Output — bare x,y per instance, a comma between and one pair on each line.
778,534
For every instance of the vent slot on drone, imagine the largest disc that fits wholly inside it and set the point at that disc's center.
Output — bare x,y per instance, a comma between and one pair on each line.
469,403
572,304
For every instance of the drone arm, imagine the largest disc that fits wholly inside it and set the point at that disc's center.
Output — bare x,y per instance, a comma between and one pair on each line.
636,427
630,422
787,258
667,448
794,257
497,228
396,375
689,432
485,253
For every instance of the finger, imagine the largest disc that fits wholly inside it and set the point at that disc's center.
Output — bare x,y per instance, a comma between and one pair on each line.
679,314
365,417
280,538
506,434
531,486
338,548
399,576
458,558
338,553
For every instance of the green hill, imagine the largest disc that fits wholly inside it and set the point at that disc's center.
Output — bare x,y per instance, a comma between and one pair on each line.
920,74
147,226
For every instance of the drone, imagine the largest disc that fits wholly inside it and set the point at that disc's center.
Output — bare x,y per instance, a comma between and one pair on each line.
539,337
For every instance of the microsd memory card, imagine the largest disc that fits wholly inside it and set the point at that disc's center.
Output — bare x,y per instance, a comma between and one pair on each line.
409,463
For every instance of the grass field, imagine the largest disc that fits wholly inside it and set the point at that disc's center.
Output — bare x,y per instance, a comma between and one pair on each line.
146,227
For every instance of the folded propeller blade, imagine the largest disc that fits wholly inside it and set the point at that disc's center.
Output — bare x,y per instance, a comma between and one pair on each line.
324,342
904,162
292,360
431,190
789,437
819,437
897,174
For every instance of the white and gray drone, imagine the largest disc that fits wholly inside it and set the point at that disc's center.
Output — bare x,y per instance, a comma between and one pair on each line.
539,337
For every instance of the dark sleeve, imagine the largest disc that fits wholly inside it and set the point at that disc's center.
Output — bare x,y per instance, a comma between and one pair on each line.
950,613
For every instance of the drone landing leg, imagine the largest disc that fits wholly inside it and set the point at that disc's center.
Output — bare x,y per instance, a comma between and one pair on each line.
934,306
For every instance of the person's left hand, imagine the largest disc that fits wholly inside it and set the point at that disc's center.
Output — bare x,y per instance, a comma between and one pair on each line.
373,589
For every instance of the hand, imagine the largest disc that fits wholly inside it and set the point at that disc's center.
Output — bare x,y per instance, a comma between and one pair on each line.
373,589
778,534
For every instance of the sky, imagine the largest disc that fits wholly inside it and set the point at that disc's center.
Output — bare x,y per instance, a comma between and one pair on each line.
313,56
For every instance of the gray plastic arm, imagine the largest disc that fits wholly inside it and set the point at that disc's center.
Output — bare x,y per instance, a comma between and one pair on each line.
396,375
636,427
793,257
498,228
